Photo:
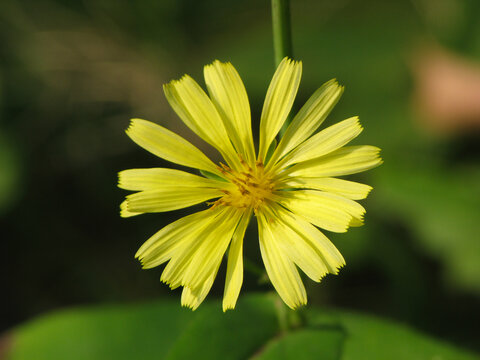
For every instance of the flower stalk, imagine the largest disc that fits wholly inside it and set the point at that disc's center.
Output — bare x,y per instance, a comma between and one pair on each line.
282,35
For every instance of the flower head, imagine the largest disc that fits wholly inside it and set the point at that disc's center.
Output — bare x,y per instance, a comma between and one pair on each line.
291,187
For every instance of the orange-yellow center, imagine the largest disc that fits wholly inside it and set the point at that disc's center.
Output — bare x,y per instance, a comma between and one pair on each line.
252,187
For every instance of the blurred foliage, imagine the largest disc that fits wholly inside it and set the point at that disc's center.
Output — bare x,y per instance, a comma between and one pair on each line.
163,330
73,73
441,213
10,178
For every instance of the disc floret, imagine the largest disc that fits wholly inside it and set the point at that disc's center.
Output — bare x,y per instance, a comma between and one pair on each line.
250,187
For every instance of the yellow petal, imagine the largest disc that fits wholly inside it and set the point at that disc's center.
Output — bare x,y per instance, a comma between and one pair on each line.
166,199
160,247
278,102
298,249
197,111
349,189
344,161
280,269
168,145
155,178
124,211
309,118
192,298
228,93
174,272
209,254
316,240
325,210
234,279
326,141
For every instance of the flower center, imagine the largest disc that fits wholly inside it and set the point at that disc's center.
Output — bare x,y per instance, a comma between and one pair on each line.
251,187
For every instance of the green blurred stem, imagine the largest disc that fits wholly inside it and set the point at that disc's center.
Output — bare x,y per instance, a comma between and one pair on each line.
282,315
288,320
282,38
282,35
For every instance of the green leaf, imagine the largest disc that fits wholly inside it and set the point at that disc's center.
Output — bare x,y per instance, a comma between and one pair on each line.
305,344
161,330
233,335
369,338
164,330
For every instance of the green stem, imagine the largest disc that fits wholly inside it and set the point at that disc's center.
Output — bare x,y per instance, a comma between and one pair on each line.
282,38
282,315
287,319
282,35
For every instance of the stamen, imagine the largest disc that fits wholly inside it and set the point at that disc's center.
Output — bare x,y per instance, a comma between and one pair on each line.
250,188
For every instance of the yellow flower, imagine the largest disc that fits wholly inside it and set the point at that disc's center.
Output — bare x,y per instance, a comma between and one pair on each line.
291,187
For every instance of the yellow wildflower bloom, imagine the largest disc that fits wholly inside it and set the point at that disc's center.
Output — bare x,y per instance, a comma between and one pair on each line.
291,189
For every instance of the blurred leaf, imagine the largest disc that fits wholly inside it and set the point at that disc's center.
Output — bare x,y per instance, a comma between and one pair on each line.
368,338
232,335
442,208
305,344
161,330
164,330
